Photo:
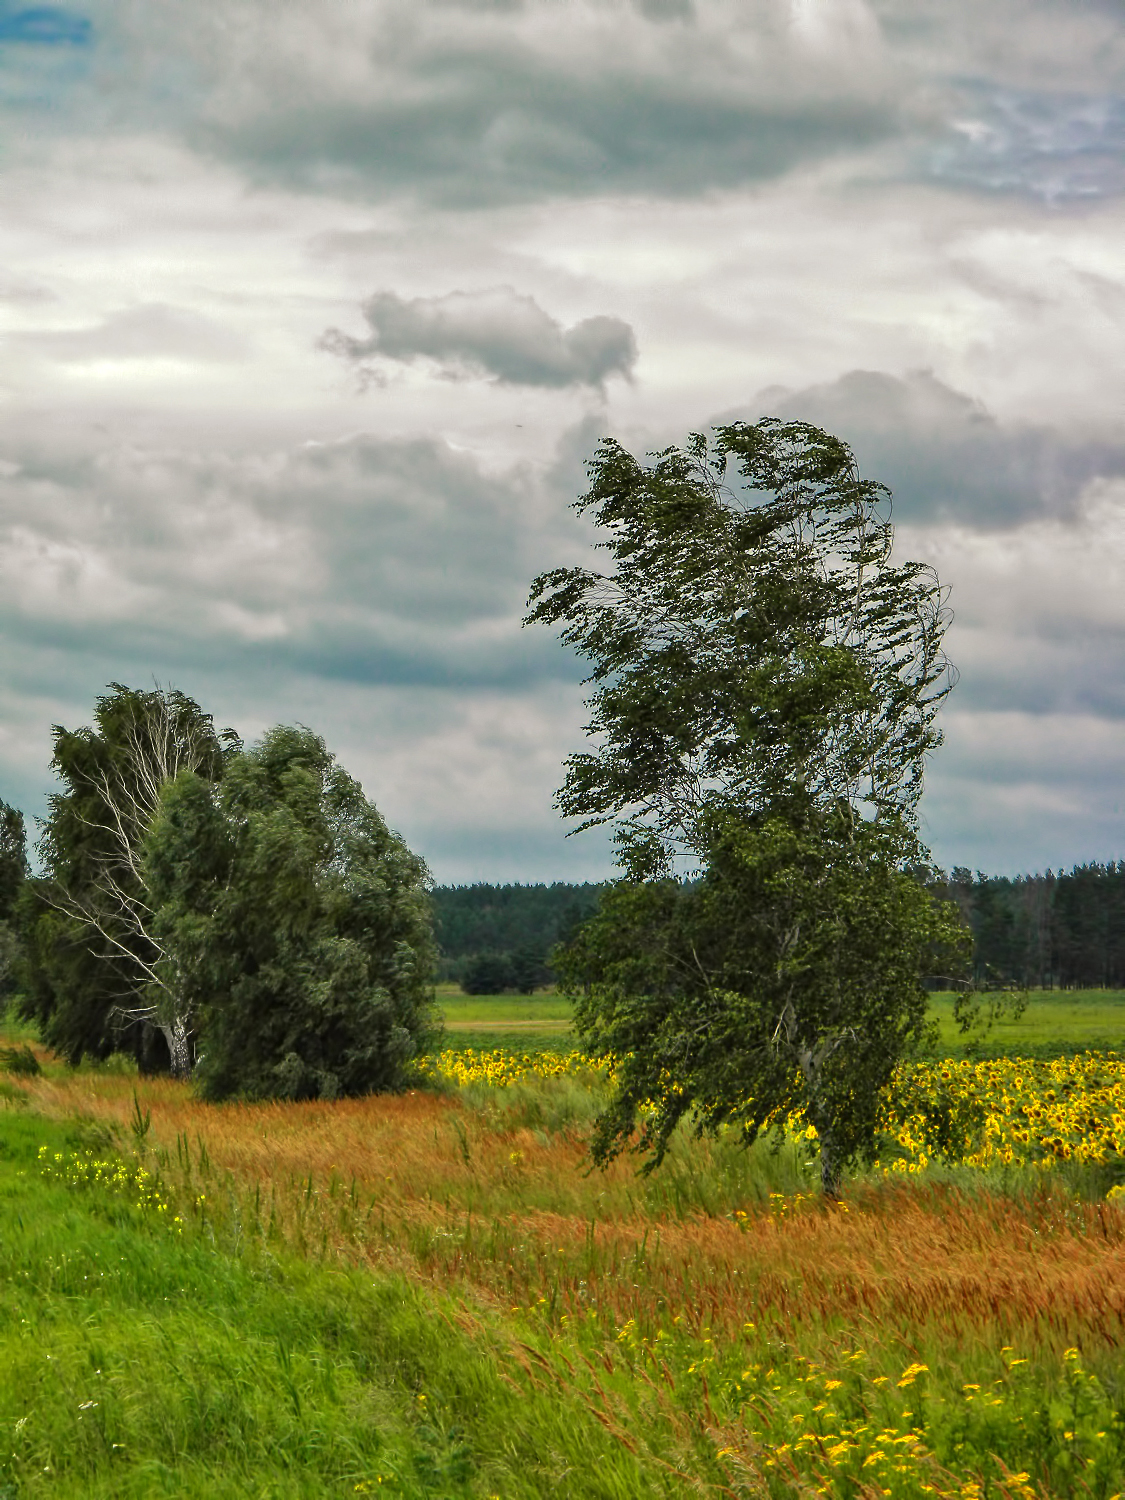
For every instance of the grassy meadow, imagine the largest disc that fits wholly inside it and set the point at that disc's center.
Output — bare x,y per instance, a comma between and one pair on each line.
432,1295
1055,1021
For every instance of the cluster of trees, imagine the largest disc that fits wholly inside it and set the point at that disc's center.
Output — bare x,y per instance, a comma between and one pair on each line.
494,938
765,684
1056,930
240,914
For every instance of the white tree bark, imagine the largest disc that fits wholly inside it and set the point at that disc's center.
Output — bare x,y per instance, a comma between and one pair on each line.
158,747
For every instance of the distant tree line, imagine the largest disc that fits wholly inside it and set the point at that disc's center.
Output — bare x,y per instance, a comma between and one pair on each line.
1059,930
493,938
1053,931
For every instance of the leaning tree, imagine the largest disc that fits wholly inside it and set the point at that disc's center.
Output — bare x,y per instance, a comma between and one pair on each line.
765,681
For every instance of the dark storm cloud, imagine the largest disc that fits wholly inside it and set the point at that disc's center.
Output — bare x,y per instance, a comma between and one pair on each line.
366,561
549,136
470,105
496,332
944,455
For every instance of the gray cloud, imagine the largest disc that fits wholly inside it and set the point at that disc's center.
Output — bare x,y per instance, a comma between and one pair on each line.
468,103
496,332
944,455
367,560
474,104
494,101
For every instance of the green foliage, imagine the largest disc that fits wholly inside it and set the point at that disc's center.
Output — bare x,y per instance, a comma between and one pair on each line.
13,859
13,876
1064,929
485,918
788,977
94,965
765,692
300,922
520,923
753,650
487,974
524,971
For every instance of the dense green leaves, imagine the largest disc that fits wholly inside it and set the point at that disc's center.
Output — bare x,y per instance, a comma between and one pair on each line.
787,978
98,978
765,685
753,647
13,876
302,921
249,906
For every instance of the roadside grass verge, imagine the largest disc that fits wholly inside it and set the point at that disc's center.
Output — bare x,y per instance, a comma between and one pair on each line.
145,1352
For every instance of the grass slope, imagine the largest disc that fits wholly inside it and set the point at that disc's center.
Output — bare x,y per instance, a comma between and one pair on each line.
140,1358
429,1295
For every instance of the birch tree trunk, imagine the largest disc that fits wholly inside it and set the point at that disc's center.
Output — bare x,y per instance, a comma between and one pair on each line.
116,796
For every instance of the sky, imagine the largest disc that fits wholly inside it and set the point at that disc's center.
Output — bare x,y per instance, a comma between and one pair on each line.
311,314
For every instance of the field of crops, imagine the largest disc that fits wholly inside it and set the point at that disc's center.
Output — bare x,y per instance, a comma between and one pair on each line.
1008,1111
504,1322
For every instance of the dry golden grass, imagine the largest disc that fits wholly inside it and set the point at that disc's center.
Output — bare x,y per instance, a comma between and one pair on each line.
452,1195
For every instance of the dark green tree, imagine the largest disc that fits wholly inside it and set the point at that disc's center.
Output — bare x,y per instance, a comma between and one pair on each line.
765,685
300,922
487,974
13,859
529,970
99,977
13,876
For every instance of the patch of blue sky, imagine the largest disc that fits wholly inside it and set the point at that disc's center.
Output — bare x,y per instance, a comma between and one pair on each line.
45,26
1052,145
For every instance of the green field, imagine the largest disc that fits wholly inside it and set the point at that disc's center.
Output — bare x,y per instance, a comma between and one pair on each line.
541,1012
1055,1021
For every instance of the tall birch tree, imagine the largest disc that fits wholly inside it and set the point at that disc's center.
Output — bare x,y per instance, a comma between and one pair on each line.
103,968
765,685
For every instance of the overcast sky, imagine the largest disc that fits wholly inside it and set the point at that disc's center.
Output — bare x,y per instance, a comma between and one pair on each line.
312,312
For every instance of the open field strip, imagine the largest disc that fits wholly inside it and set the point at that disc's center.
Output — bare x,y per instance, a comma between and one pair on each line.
715,1328
1054,1021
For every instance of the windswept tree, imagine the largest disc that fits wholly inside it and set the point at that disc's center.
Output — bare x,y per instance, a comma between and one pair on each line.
765,686
100,969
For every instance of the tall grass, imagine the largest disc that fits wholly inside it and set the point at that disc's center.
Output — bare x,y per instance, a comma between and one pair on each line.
713,1329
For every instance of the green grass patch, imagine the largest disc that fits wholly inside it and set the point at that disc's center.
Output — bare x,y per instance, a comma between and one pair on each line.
1055,1023
140,1356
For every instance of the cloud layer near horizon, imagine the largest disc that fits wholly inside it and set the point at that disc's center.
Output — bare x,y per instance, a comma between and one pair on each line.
312,316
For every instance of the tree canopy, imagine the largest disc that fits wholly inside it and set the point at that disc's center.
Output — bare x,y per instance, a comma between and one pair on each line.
100,979
13,876
765,686
302,921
